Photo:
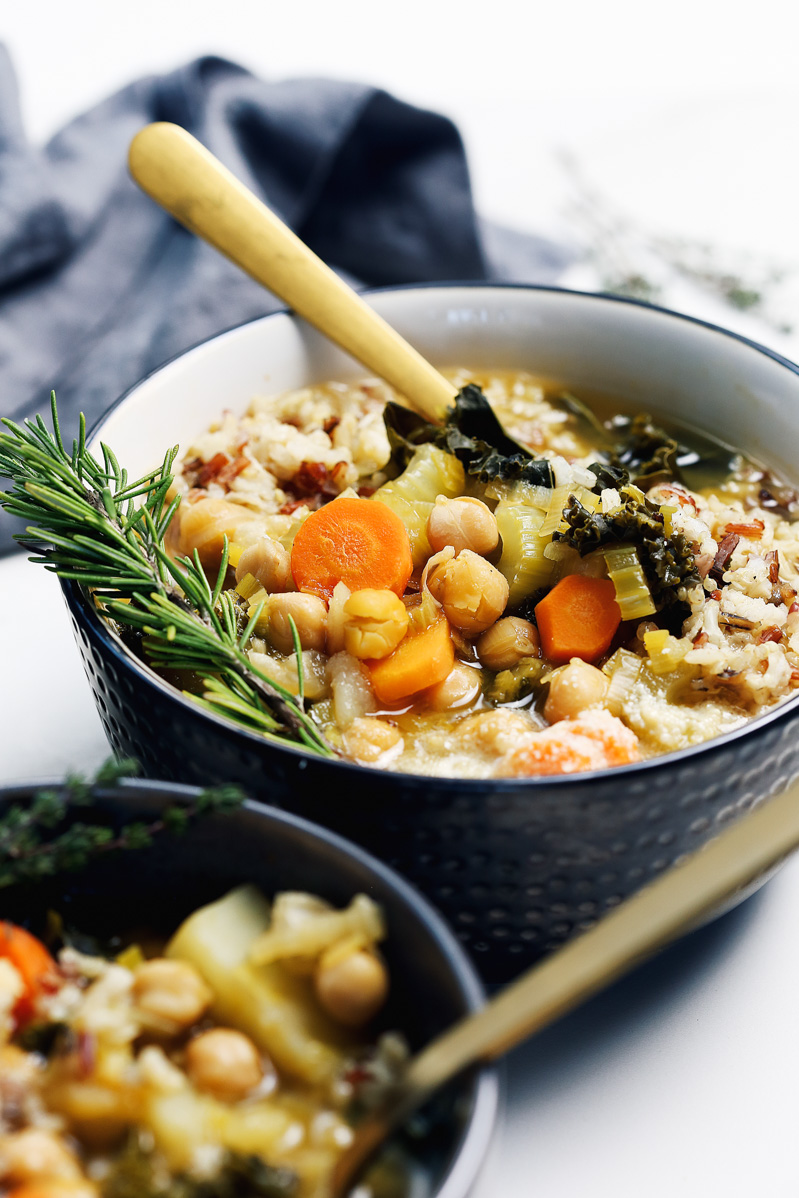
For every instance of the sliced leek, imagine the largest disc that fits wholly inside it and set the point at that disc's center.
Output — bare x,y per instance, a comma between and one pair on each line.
624,668
553,520
523,562
431,472
414,516
627,575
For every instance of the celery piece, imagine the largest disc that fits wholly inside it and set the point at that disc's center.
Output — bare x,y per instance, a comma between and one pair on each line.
627,575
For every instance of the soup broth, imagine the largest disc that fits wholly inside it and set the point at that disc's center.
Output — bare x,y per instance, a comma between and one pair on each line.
642,602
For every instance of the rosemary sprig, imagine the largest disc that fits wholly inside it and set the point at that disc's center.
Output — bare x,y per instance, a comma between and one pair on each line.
40,838
91,524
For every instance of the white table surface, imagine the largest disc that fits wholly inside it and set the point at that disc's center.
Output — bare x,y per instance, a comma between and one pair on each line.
683,1078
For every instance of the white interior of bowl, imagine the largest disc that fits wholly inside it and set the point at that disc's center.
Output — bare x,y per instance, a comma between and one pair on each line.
659,362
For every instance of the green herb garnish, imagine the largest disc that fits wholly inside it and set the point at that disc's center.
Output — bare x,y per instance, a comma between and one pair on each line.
42,837
90,524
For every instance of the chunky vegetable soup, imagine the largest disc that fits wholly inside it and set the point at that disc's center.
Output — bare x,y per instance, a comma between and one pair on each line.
619,596
227,1064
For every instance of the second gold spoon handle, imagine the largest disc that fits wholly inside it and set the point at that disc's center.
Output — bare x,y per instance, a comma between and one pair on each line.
194,187
672,904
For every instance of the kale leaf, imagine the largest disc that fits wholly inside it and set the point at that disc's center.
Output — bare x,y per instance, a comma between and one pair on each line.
646,452
473,434
668,561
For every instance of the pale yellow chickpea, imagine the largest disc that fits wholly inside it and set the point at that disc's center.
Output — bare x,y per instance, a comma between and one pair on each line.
374,623
506,643
463,523
471,591
269,563
573,689
309,614
224,1063
36,1155
459,688
171,993
367,739
352,988
203,526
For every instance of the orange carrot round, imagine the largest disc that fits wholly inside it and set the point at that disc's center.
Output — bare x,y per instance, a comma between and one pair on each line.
32,962
359,542
420,660
578,618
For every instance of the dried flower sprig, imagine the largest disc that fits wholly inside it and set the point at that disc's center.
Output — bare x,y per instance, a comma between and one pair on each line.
41,837
90,524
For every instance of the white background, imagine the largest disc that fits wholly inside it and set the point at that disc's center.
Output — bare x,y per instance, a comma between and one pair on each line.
683,117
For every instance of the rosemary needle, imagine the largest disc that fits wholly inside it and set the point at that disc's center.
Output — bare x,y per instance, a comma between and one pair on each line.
87,522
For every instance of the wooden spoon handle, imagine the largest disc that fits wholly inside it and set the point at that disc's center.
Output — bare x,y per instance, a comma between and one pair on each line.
193,186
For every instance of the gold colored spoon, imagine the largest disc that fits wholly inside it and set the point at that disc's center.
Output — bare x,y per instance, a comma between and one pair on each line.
194,187
673,904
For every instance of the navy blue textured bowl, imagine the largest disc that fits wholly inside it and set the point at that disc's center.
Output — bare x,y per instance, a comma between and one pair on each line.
433,983
516,866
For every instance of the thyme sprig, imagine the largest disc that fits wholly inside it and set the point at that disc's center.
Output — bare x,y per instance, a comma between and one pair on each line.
41,838
89,523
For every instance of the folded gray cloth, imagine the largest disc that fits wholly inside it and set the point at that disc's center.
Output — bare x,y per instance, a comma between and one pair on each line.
98,286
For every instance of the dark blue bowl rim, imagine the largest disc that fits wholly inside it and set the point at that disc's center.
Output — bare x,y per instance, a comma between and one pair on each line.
785,710
470,1150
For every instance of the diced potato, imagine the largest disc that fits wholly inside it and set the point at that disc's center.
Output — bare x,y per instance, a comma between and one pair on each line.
182,1122
319,930
276,1009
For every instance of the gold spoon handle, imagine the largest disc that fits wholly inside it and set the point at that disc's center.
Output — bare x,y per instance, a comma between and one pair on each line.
656,915
193,186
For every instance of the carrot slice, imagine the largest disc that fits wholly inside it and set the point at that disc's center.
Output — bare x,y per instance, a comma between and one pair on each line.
578,618
420,660
359,542
32,962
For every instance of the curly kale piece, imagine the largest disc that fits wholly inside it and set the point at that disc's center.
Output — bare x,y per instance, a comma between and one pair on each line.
473,434
647,452
668,561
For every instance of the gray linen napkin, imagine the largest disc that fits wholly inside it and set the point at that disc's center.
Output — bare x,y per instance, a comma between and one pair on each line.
98,286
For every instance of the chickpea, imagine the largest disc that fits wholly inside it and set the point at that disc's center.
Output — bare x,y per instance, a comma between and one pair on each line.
374,623
309,614
471,591
203,526
463,523
225,1063
368,739
459,688
507,642
574,688
36,1155
270,563
352,988
171,993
